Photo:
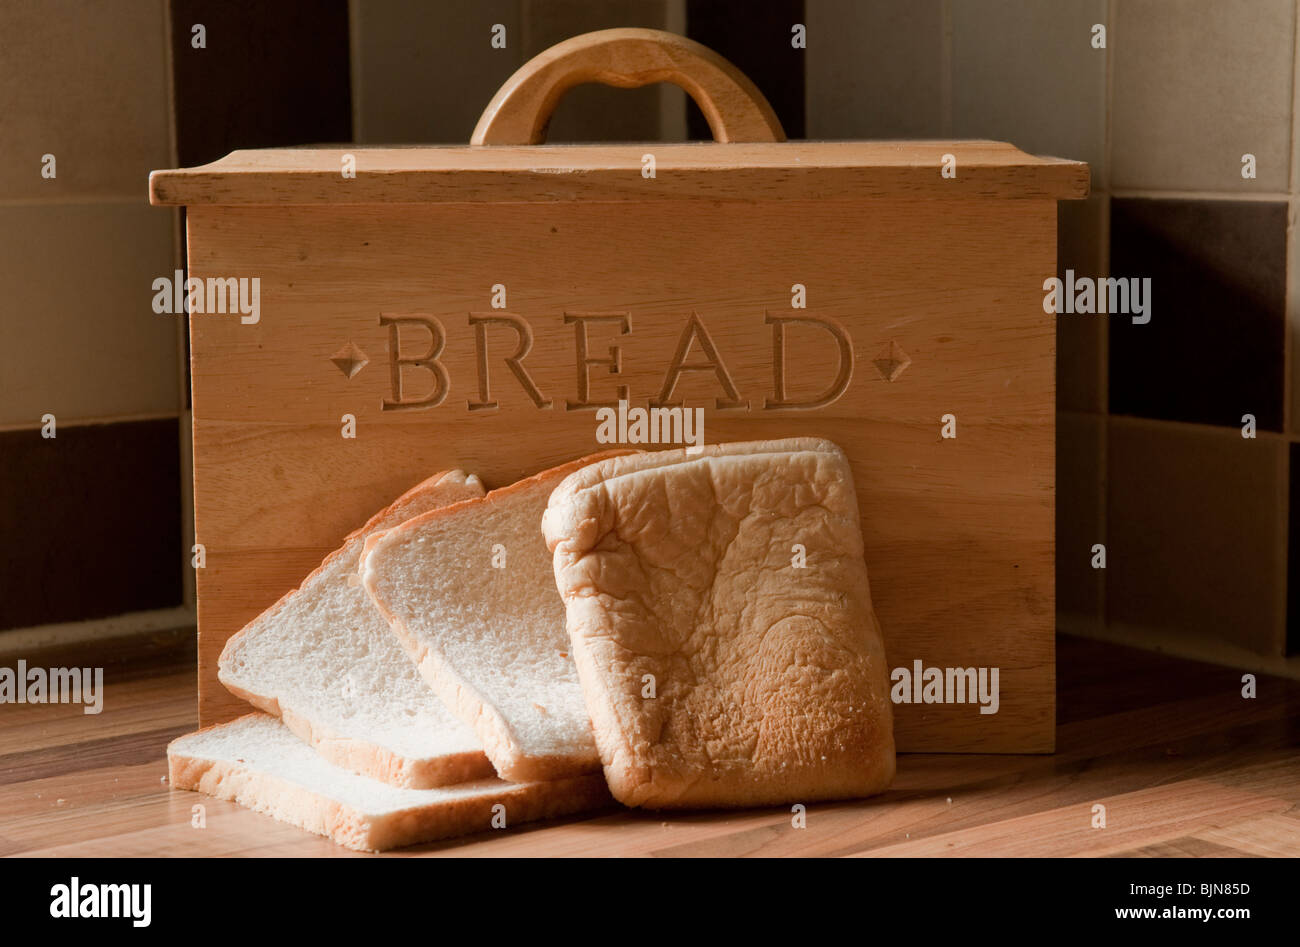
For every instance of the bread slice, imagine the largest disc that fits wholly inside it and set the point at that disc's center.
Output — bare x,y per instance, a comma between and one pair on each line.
470,592
324,661
717,671
256,762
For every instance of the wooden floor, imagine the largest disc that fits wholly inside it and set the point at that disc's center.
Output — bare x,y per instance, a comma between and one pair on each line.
1181,762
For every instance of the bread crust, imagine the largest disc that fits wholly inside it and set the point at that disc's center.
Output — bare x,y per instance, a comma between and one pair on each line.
771,680
360,756
296,805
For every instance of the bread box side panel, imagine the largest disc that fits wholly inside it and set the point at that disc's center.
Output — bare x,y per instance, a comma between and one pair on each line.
863,321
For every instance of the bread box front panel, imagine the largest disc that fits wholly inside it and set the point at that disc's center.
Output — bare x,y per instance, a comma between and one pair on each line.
396,339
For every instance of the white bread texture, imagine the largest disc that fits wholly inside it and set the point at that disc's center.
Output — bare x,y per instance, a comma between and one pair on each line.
470,592
324,661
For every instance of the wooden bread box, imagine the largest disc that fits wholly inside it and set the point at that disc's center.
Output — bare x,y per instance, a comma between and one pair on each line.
474,306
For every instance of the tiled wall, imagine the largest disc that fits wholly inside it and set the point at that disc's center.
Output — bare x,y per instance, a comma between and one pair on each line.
1196,517
1151,461
95,522
422,72
90,520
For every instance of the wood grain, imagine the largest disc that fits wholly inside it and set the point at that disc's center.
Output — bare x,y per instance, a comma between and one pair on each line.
1184,765
743,172
959,532
627,58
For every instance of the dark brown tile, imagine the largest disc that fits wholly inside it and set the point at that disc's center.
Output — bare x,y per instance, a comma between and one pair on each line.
1293,557
1194,541
1078,521
271,74
756,37
1079,338
1213,350
89,522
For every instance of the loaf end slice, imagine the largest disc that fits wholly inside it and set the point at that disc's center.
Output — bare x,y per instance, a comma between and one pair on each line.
722,625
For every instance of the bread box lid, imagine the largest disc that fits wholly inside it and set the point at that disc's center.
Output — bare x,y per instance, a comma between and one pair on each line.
506,161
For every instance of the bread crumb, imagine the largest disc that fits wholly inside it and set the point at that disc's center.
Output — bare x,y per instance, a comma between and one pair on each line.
542,710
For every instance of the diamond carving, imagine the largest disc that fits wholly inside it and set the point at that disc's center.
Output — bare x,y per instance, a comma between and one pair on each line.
891,362
350,359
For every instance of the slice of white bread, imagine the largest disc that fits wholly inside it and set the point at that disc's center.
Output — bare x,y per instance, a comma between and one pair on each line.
722,625
256,762
324,661
470,592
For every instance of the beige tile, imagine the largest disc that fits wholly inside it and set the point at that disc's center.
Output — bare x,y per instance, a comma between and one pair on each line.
875,69
1195,533
1079,520
423,72
87,83
79,334
1197,84
1027,73
595,112
1080,339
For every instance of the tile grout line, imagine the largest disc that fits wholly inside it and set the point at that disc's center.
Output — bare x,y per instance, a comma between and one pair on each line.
1103,349
178,238
1285,437
77,200
354,68
91,421
945,68
1176,194
169,67
673,107
523,9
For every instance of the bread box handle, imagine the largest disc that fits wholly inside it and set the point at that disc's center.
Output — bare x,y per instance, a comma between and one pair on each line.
521,110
